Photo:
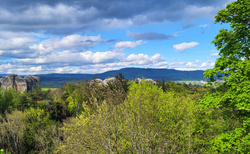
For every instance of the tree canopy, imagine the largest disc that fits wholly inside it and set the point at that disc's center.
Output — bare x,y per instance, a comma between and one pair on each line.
233,66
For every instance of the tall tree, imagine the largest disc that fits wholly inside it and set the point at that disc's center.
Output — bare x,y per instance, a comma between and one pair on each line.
233,66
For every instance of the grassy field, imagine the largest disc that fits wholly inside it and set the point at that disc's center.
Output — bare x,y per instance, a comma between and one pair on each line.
46,89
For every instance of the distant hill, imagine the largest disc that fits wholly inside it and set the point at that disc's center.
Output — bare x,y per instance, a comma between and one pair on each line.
57,80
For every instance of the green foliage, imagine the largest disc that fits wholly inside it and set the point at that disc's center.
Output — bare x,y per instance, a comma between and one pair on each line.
79,94
40,132
148,121
233,66
75,95
2,151
9,100
12,132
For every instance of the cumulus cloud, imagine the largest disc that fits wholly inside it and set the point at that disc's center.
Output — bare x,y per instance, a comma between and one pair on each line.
184,46
77,15
142,59
16,44
214,54
73,42
212,64
177,63
19,69
131,60
207,64
120,46
193,64
35,69
150,36
128,44
69,58
162,64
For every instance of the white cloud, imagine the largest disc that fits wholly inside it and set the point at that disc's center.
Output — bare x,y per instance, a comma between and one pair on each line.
214,54
162,64
60,70
35,69
16,42
131,60
212,64
208,63
184,46
193,64
203,26
72,42
178,63
69,58
205,64
188,69
142,59
128,44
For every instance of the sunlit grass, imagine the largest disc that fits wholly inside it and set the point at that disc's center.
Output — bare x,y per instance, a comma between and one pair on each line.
46,89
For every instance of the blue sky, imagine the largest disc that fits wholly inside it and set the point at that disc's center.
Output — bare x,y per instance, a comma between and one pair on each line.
94,36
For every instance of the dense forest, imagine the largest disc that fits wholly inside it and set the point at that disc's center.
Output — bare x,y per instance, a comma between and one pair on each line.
123,117
138,117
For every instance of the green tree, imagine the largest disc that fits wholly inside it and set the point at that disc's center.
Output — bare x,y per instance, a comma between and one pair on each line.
148,121
40,133
233,66
9,100
12,129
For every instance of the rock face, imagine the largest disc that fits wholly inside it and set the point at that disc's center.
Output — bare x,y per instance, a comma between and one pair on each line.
150,80
32,82
108,81
138,80
18,83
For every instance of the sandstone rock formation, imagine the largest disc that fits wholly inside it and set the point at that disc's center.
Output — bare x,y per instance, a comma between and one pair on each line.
112,80
138,80
32,82
18,83
150,80
108,81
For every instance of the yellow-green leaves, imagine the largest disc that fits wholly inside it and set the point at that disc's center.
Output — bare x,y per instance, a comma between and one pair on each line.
148,121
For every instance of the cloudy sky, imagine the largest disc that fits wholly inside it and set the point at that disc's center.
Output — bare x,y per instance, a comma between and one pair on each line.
93,36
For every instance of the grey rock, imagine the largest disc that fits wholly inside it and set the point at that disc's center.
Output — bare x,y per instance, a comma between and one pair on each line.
150,80
6,82
138,80
32,82
108,81
18,83
14,81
